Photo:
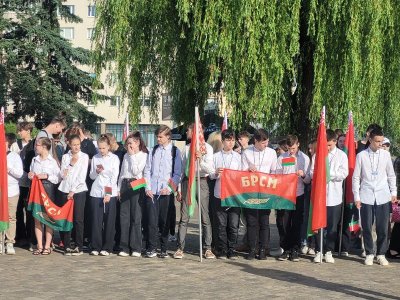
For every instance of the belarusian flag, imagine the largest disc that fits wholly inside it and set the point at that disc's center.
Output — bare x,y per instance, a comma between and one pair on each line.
172,186
225,122
317,217
350,149
288,161
197,143
44,209
126,128
139,183
3,176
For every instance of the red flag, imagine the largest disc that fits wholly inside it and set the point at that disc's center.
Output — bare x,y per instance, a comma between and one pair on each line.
225,122
126,128
317,218
3,176
350,149
197,143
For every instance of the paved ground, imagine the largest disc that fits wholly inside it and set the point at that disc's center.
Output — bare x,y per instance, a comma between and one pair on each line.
25,276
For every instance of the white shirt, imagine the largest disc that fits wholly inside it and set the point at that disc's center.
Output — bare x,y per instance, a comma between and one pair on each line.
338,171
265,161
15,171
107,178
75,181
47,166
206,161
227,160
374,179
302,163
132,166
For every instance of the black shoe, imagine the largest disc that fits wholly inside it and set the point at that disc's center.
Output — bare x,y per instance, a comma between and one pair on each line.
251,255
284,256
222,255
294,256
232,255
262,254
68,252
163,254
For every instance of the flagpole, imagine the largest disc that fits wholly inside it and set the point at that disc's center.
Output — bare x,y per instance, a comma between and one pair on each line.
322,245
3,237
341,222
196,111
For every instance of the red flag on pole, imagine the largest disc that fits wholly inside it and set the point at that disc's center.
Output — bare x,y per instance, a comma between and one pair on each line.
126,128
350,149
3,176
225,122
317,218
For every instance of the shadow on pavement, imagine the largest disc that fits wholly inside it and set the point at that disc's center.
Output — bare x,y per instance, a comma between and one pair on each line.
312,282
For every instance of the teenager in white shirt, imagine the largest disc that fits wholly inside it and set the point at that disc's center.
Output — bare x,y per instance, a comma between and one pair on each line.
259,158
14,173
131,200
73,187
294,161
104,171
374,188
227,217
46,168
338,171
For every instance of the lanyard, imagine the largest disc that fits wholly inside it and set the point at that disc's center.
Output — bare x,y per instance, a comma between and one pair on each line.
223,160
372,162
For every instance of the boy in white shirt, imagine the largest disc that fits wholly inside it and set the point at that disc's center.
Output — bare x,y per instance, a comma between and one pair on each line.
14,171
338,171
374,187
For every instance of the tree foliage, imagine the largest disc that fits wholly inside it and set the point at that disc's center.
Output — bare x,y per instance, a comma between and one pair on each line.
39,69
343,54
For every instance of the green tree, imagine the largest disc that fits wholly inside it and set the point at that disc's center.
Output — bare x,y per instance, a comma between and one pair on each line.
341,53
39,72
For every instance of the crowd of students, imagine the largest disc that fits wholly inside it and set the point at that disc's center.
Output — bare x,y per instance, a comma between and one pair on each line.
110,216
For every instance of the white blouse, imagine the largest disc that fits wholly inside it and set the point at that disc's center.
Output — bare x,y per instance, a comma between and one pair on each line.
132,166
75,181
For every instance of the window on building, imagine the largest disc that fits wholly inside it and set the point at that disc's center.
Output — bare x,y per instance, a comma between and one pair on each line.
115,101
67,33
117,130
91,10
71,8
148,135
89,34
145,100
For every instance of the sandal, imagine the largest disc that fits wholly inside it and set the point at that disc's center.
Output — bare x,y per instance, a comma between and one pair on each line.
37,251
46,251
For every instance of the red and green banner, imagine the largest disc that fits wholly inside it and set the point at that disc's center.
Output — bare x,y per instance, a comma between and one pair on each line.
288,161
43,208
138,184
350,149
258,190
3,176
317,216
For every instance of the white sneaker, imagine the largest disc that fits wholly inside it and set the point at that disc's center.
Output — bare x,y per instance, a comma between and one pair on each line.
104,253
10,249
304,249
344,253
136,254
382,260
94,253
329,258
1,247
318,257
311,251
123,254
369,260
363,254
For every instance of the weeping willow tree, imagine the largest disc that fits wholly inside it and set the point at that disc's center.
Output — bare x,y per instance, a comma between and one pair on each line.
343,54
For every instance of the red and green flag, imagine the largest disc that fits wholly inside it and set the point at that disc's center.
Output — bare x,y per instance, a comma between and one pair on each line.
288,161
3,176
138,184
44,209
317,217
197,144
173,186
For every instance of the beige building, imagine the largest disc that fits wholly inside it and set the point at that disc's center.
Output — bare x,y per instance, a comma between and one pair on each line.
113,111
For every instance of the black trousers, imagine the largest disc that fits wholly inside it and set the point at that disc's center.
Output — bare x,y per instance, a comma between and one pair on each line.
395,238
172,215
103,223
25,227
333,215
380,215
79,215
292,222
282,223
346,234
157,216
213,213
258,226
131,219
228,227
